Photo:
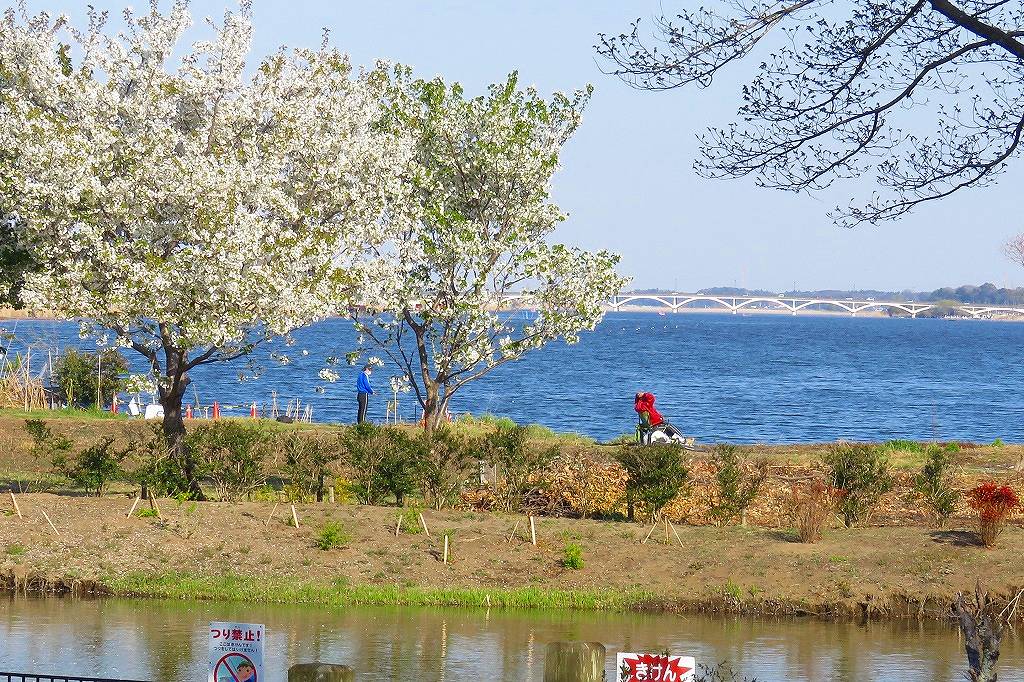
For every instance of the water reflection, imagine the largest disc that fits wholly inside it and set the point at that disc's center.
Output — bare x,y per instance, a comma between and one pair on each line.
166,641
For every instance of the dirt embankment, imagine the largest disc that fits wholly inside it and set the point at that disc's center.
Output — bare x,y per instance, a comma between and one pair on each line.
875,572
897,566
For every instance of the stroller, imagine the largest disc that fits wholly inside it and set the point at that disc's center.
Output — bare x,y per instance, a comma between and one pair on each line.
652,427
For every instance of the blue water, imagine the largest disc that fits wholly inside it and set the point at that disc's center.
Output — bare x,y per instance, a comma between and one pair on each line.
756,378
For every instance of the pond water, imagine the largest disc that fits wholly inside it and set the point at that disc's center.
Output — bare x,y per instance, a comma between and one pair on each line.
166,641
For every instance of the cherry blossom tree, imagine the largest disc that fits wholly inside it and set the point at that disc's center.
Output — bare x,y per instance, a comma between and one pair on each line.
837,80
443,293
186,208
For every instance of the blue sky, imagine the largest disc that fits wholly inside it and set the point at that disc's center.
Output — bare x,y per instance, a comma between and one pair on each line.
627,180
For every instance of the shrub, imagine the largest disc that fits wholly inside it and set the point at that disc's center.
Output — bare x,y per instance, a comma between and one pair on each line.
572,556
410,517
46,445
993,503
860,473
736,485
146,514
812,504
383,463
332,535
151,466
231,454
444,461
719,672
935,484
656,474
508,450
93,468
308,461
79,376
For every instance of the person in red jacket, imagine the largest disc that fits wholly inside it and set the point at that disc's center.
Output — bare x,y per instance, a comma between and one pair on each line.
651,420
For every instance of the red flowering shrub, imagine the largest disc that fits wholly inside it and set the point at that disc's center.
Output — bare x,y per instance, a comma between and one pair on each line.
993,503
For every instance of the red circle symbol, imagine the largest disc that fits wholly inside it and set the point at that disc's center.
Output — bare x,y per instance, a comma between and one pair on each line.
236,660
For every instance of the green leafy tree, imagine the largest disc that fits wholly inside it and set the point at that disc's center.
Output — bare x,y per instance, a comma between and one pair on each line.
82,377
935,483
860,474
232,455
517,463
309,459
738,485
656,474
94,468
445,461
382,461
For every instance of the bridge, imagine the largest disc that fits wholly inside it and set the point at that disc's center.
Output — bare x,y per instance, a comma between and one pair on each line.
793,304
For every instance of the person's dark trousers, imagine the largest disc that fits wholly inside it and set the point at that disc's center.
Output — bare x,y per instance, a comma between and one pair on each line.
363,399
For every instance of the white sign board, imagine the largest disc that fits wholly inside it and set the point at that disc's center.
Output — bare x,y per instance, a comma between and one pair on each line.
654,668
236,652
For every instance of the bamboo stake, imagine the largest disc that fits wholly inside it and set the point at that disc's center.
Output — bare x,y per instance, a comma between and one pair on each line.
666,529
398,526
16,507
272,512
295,517
445,559
671,525
330,494
45,516
425,529
533,532
154,506
134,505
644,541
514,529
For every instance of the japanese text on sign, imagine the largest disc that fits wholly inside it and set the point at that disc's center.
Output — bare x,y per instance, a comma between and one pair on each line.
654,668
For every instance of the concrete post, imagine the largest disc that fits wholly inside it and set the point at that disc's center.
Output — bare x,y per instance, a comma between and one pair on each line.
574,662
320,672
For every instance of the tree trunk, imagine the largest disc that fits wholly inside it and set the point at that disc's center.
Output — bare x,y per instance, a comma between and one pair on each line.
171,396
982,625
432,408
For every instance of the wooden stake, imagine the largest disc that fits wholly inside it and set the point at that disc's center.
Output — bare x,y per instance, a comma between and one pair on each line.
45,516
533,532
295,517
666,529
514,529
134,505
16,507
425,529
655,525
154,506
445,559
272,512
330,494
398,526
672,526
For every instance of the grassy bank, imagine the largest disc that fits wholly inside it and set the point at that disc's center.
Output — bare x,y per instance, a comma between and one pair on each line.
241,588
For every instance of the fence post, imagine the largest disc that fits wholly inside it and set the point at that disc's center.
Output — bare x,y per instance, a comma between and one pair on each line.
574,662
320,672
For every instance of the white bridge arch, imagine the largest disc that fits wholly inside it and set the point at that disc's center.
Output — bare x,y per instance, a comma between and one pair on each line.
792,304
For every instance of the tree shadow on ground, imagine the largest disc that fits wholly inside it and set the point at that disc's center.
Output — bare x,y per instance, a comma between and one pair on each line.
782,535
957,538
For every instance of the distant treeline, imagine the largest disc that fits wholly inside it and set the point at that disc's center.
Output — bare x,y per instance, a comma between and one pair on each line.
986,293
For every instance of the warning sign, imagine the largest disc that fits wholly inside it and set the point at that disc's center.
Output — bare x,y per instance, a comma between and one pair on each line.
653,668
236,652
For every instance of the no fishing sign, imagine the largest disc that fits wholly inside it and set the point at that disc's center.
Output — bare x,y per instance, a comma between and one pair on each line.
236,652
654,668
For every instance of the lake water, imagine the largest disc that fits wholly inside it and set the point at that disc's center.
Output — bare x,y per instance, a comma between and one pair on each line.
166,642
755,378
